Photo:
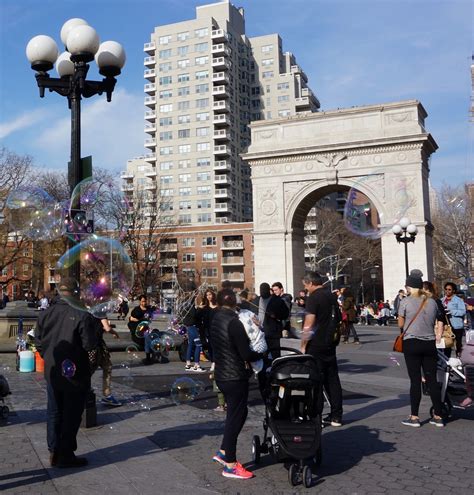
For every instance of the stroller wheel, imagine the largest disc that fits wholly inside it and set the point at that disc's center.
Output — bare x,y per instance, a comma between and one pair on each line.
307,477
256,449
294,475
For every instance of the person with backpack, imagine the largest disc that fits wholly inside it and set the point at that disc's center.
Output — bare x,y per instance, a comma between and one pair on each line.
320,338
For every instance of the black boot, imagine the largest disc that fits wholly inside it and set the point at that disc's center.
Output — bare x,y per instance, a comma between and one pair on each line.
147,361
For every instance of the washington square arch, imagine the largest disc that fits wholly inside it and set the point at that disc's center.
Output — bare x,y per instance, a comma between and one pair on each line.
381,150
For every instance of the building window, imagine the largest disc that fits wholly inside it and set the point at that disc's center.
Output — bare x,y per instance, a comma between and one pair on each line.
166,108
184,119
183,91
283,98
203,176
202,131
201,47
166,135
183,105
183,36
284,113
166,150
189,242
188,257
164,121
165,80
285,85
209,241
164,40
209,256
183,78
200,33
204,189
201,60
164,53
184,163
203,146
202,102
165,94
185,191
184,148
183,50
203,203
183,219
267,48
185,205
166,165
184,178
166,179
204,217
202,74
202,88
182,64
203,116
166,192
266,62
203,162
267,74
255,90
165,67
209,272
166,206
184,133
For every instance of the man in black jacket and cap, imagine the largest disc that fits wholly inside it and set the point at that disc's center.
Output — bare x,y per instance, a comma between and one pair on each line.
64,336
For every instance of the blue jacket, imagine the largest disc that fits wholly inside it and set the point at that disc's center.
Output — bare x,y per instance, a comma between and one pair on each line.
457,308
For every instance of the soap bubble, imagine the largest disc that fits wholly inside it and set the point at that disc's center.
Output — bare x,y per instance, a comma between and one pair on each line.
155,334
68,368
184,390
131,349
361,216
32,212
156,345
105,273
142,328
167,342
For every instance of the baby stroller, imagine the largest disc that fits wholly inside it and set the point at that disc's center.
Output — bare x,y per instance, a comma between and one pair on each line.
292,424
4,391
453,382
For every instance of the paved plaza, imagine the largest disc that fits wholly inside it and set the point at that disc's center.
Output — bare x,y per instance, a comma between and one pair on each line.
152,446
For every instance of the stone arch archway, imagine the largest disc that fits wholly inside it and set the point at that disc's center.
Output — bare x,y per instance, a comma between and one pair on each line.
381,150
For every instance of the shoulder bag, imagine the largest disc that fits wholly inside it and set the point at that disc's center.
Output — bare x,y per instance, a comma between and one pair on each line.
398,344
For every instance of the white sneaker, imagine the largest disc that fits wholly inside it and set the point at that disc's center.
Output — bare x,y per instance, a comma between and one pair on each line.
198,369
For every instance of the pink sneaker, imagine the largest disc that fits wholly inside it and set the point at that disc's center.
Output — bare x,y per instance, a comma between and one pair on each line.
238,472
466,402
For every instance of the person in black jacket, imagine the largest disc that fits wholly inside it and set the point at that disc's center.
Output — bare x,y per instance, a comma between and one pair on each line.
65,335
232,354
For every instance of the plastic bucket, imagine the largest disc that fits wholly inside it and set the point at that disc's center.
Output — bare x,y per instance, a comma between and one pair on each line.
39,362
27,361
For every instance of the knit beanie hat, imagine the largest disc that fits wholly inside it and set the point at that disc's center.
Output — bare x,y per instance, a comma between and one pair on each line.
415,280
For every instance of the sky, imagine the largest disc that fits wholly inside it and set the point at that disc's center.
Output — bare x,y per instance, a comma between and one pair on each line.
355,52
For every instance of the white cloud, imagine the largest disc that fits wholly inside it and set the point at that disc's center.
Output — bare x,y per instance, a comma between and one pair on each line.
22,122
110,132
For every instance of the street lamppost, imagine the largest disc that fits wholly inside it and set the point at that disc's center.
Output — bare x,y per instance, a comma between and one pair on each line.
373,276
82,46
405,232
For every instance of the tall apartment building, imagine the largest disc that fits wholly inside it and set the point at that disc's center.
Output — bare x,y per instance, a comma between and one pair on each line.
205,81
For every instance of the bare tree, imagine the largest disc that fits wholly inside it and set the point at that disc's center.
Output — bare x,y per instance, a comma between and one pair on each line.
453,239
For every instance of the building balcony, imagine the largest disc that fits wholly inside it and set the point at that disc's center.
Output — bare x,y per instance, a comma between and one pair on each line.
296,69
168,247
233,260
150,101
222,149
222,194
150,212
220,63
150,173
303,102
220,106
150,115
220,91
126,175
150,88
150,143
169,262
150,128
150,186
234,244
222,165
222,179
220,49
220,119
151,157
149,74
221,134
220,77
150,199
222,208
219,35
149,47
222,219
149,61
233,276
127,187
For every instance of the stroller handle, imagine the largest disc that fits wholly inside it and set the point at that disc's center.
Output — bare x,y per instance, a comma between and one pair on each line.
291,349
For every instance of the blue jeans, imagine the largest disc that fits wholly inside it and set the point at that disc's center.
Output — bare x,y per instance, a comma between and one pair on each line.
148,349
194,344
64,412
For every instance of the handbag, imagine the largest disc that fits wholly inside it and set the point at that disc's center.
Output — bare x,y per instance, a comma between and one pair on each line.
448,336
398,344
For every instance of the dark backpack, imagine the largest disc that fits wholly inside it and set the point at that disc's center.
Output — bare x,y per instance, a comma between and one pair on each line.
4,387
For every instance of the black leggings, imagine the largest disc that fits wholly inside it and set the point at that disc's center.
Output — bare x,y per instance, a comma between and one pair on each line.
459,332
421,354
236,394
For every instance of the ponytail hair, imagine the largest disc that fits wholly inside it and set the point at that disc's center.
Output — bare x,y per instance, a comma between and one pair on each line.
418,293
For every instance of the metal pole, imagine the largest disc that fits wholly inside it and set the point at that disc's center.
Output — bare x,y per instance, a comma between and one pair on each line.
406,256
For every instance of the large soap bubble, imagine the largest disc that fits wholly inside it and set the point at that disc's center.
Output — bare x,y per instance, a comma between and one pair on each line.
185,390
361,216
94,274
32,212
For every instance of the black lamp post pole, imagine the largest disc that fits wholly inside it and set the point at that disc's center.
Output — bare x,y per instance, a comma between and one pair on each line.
405,238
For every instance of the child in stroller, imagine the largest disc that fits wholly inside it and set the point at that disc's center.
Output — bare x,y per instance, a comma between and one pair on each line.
293,407
4,391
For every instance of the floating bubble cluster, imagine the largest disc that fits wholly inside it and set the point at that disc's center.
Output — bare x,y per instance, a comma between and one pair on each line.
142,328
68,368
105,274
185,390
